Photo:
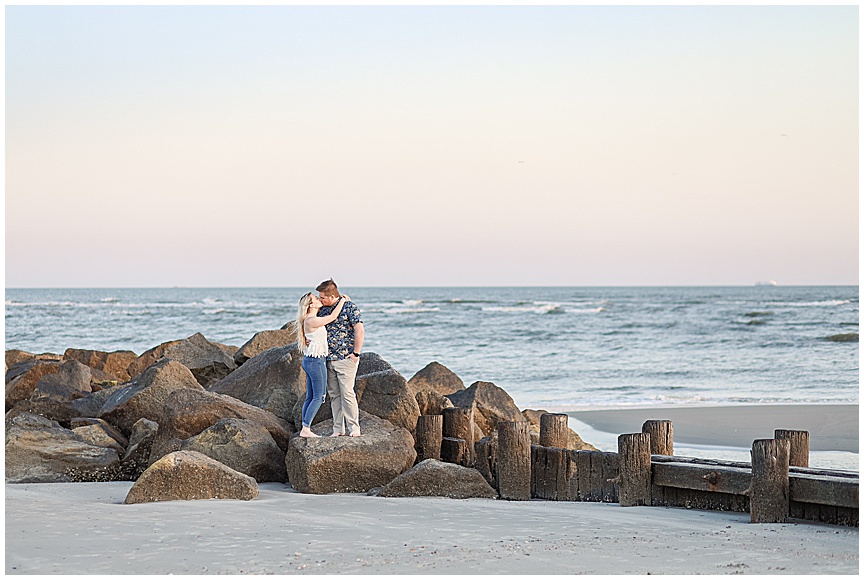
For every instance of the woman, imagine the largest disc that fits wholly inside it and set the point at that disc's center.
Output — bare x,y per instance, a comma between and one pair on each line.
312,333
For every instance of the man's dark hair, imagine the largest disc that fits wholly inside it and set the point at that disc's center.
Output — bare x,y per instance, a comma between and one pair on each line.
328,287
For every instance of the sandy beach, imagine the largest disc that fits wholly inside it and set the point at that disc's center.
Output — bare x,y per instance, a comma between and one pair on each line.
84,528
831,427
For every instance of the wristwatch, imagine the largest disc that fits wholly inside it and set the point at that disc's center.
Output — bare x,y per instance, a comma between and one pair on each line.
357,354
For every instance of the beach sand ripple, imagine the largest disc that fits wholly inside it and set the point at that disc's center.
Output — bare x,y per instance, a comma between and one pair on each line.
285,532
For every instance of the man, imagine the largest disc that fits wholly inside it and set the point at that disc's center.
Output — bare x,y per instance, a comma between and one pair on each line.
344,341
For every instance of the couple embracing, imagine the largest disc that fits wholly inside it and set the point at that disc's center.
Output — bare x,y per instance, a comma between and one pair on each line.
330,327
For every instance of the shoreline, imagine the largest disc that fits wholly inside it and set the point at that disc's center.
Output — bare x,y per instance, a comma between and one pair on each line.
63,529
832,427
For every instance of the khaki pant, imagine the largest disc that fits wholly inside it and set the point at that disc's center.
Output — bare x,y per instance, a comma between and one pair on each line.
343,400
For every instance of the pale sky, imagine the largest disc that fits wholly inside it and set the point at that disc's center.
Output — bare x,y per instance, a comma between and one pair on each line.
412,146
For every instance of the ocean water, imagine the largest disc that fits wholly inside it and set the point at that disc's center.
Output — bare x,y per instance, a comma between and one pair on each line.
553,348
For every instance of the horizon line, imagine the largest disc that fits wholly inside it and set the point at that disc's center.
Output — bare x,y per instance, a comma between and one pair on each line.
754,285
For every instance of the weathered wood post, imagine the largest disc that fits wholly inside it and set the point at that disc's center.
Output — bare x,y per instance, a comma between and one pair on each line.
459,424
427,437
594,476
485,459
553,430
550,473
769,486
634,475
514,460
799,446
661,436
455,450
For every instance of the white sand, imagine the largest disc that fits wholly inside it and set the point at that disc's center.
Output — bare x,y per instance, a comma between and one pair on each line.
83,528
831,427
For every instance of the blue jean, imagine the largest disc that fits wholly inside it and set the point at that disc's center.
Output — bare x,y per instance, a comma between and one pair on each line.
316,385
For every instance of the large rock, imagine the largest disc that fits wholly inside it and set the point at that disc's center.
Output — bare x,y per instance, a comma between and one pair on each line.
187,475
115,364
39,450
436,377
137,457
191,412
228,349
19,361
71,381
19,368
385,394
273,380
147,394
574,441
491,405
97,435
431,384
207,361
100,380
349,464
437,478
21,379
61,411
241,445
431,403
90,405
324,413
370,363
533,416
262,341
58,405
15,356
110,429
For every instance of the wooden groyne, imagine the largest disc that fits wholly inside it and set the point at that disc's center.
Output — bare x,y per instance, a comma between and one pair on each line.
776,486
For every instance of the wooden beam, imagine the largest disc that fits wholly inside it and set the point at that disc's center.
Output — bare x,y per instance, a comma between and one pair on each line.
734,480
832,491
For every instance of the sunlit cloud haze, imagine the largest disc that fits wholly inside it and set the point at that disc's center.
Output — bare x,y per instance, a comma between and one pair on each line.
408,145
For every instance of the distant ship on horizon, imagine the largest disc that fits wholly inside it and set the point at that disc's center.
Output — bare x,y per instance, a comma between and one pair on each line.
767,283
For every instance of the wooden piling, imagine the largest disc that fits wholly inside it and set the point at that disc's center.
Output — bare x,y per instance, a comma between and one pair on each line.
485,460
550,473
459,424
455,450
553,430
634,484
799,446
594,477
514,460
661,436
769,488
427,437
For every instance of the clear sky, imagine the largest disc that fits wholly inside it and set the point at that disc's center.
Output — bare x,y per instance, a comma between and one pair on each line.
408,145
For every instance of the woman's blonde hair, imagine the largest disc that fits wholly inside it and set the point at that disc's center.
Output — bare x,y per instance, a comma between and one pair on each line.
302,314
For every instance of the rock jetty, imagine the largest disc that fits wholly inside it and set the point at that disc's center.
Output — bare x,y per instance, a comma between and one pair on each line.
194,419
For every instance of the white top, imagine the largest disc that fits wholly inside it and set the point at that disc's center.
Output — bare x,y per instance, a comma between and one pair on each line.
317,342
